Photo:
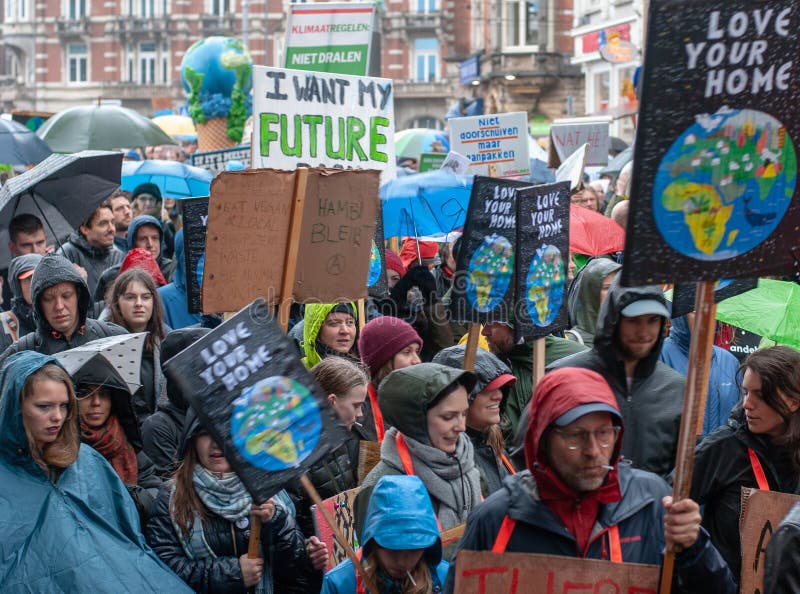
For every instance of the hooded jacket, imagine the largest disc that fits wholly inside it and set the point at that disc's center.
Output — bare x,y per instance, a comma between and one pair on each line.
583,301
723,393
93,259
18,306
173,295
313,318
630,499
722,467
222,574
84,524
400,517
652,407
404,397
166,265
52,270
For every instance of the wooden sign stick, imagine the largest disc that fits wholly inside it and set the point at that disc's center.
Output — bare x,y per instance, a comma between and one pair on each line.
337,534
287,283
362,318
693,406
538,362
471,348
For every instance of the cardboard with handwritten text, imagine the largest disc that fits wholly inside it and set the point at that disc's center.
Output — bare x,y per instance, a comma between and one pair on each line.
512,573
542,259
194,213
483,288
315,119
338,228
762,511
257,400
341,508
568,135
714,187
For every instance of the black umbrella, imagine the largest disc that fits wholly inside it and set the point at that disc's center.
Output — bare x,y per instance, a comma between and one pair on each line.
62,190
113,361
20,146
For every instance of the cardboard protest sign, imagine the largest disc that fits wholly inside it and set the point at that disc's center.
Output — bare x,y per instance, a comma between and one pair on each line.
485,572
500,140
714,182
339,218
376,281
483,290
248,227
431,161
762,511
341,508
215,161
194,212
571,170
683,295
542,260
334,37
567,136
257,401
314,119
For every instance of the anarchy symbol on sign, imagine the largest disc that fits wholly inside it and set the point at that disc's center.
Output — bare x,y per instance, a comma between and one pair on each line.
335,265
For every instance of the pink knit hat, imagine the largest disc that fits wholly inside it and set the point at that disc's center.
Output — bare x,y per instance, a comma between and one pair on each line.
382,338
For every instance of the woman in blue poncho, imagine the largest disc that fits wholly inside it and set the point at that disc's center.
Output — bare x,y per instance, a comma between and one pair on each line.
67,523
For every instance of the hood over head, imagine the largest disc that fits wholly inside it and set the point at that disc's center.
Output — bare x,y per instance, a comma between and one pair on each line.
137,223
20,264
313,318
400,517
561,391
490,371
405,395
141,258
121,403
52,270
174,343
583,301
680,333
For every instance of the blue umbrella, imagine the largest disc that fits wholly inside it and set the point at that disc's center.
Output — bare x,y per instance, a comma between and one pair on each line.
425,204
20,146
174,179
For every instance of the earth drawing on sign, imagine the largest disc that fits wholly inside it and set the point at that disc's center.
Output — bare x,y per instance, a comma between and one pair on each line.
490,271
545,285
276,423
724,184
374,265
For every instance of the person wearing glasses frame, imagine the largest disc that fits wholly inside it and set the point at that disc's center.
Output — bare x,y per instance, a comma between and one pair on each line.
577,499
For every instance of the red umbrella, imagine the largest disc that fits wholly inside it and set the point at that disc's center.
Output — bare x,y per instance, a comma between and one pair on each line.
593,234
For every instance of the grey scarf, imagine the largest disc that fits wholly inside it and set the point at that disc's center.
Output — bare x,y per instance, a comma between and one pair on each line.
452,481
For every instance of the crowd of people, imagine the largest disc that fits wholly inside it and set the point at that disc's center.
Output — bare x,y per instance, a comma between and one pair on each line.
109,490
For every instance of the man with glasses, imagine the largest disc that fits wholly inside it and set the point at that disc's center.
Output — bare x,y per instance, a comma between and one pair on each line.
577,500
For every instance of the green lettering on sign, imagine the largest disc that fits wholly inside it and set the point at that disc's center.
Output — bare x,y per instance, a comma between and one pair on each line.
268,135
355,132
377,138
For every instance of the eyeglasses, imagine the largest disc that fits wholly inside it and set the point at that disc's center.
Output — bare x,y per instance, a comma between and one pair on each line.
577,439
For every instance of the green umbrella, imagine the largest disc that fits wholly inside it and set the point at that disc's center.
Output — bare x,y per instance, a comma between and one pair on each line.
100,127
771,310
410,143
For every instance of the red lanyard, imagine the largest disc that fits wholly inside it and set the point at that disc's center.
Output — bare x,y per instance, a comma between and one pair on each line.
758,470
376,412
507,463
508,524
405,460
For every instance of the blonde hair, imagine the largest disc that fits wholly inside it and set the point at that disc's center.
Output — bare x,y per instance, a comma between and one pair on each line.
63,451
338,375
421,574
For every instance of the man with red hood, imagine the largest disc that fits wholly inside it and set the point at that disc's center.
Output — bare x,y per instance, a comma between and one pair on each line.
576,499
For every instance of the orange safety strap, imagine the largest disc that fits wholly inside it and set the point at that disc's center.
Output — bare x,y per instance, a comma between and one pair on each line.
376,412
503,535
615,548
507,463
405,460
758,470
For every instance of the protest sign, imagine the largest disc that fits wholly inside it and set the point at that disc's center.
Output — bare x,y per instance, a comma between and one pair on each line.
313,119
568,135
482,286
215,161
683,294
500,140
332,37
762,511
335,243
485,572
542,259
431,161
194,212
715,166
456,163
257,400
248,228
571,170
376,281
341,508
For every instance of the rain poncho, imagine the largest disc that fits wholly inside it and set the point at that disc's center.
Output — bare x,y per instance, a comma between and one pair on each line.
79,534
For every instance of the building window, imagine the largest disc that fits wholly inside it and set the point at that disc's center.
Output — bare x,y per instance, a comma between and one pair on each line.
130,57
76,9
9,10
23,10
521,23
147,63
425,6
220,7
426,59
602,90
77,63
164,63
147,8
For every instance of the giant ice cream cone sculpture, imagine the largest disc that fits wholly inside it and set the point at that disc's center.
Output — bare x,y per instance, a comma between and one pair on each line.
217,73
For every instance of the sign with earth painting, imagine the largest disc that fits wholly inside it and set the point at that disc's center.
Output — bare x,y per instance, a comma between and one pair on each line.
483,290
257,400
715,177
541,259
